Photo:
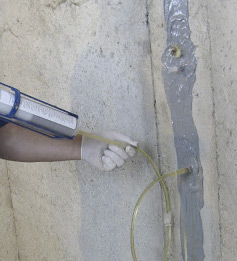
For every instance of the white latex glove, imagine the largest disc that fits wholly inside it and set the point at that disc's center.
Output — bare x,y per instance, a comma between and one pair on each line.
104,156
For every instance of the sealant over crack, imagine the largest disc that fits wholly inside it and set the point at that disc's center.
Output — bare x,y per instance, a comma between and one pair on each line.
179,77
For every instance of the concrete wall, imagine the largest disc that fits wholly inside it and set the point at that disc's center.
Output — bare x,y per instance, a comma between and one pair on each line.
213,27
92,57
223,36
102,60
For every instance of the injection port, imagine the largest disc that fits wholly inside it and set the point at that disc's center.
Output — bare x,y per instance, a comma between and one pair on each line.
175,51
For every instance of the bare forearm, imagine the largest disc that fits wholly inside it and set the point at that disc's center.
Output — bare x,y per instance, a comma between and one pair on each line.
20,144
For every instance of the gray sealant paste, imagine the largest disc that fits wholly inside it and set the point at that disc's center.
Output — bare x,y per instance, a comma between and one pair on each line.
179,77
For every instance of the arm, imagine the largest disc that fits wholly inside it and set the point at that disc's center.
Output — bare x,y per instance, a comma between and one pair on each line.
20,144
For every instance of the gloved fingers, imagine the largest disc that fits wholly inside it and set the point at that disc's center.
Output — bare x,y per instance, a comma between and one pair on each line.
119,151
131,151
127,140
121,137
115,158
108,163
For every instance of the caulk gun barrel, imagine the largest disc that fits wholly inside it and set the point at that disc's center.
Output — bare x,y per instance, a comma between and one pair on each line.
37,115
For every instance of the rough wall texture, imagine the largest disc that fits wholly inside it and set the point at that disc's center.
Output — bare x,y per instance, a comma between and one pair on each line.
9,245
94,57
223,28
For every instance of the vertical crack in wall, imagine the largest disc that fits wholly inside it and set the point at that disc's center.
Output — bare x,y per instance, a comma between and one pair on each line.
153,85
215,127
179,78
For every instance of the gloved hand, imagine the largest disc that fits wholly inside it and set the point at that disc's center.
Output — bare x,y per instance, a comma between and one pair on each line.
106,156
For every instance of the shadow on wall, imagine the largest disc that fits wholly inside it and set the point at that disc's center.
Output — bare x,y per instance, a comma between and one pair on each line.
112,90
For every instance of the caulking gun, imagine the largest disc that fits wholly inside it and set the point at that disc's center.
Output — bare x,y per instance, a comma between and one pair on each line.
34,114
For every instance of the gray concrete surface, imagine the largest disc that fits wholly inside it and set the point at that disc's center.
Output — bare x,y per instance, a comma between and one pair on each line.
94,57
223,38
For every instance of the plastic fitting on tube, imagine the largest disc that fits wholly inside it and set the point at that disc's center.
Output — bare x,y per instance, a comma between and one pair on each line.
168,219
